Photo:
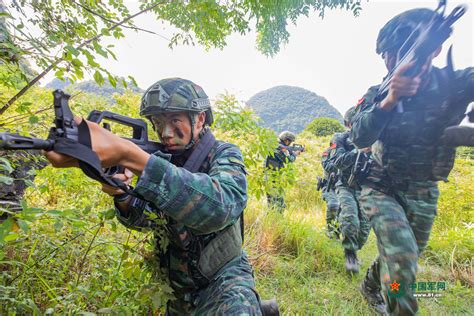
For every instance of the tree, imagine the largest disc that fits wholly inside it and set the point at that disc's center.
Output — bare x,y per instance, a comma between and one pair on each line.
64,36
323,126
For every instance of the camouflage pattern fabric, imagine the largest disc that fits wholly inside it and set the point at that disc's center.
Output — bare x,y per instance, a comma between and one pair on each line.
415,152
343,155
400,194
354,225
276,195
277,202
232,293
402,222
22,163
279,158
196,206
332,203
332,208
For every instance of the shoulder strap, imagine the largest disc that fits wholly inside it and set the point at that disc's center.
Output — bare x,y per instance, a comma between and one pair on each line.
88,160
198,156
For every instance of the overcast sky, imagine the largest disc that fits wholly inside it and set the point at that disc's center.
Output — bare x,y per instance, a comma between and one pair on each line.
333,57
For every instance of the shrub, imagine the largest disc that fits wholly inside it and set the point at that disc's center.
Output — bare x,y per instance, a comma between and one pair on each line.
323,126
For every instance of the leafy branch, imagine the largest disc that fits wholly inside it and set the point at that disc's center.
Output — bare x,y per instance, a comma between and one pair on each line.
60,59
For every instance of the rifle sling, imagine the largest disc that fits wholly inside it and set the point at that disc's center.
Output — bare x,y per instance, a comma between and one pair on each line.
194,162
88,160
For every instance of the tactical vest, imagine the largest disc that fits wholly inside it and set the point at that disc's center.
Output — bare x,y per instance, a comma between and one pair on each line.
410,147
205,254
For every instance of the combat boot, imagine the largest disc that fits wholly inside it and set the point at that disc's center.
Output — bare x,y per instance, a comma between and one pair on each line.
352,264
373,296
269,307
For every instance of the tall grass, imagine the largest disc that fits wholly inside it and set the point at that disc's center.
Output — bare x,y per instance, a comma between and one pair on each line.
296,263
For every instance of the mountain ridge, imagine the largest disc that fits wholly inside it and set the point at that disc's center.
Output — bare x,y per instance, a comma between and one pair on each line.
286,107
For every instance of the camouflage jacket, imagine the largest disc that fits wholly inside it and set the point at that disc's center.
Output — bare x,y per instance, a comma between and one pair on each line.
406,145
23,163
343,155
279,157
195,207
328,166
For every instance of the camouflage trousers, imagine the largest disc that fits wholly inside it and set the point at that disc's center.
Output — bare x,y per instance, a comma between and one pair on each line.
332,208
231,292
402,222
276,201
354,225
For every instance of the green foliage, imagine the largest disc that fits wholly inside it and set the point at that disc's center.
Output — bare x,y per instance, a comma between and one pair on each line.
209,22
290,108
323,126
63,25
239,125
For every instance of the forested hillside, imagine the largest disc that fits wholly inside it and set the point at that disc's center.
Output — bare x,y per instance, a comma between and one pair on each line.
290,108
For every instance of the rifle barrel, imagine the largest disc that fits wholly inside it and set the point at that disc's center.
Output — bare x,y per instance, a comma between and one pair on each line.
15,142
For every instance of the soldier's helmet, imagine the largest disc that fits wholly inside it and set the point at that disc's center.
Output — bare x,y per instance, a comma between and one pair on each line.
349,115
396,31
175,95
287,135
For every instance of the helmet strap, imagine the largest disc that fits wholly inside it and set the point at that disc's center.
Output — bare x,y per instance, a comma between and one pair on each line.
192,119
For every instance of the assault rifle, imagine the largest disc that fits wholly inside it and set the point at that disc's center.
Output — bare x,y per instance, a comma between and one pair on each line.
68,138
321,183
331,182
422,43
461,135
295,147
361,168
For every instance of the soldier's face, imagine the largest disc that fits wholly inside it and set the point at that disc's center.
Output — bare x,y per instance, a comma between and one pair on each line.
174,129
390,60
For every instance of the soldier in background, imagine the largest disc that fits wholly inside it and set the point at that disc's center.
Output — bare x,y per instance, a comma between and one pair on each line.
280,157
329,195
23,163
400,195
354,225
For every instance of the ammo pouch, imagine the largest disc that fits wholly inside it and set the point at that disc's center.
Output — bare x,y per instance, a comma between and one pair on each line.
221,249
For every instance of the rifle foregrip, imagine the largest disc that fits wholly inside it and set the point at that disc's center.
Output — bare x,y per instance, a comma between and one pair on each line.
17,142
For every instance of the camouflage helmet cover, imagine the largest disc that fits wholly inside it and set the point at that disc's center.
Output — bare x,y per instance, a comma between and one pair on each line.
175,95
396,31
287,135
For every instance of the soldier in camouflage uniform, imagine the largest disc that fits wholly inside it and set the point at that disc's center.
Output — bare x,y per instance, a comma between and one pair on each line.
280,157
354,225
207,268
400,195
22,163
329,195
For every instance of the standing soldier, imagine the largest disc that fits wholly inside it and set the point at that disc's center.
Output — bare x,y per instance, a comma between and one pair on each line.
329,195
280,157
400,195
353,223
197,185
